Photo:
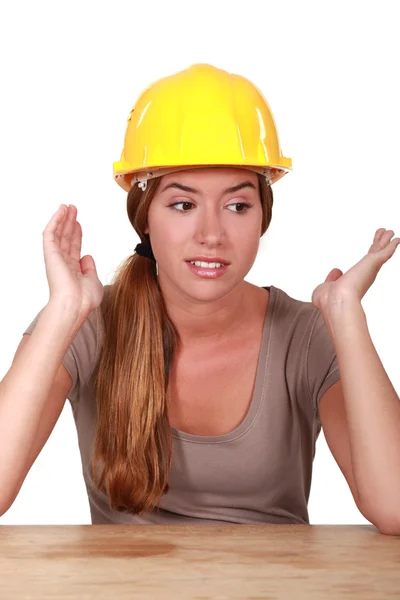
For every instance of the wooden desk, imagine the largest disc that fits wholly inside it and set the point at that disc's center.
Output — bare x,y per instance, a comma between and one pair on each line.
198,561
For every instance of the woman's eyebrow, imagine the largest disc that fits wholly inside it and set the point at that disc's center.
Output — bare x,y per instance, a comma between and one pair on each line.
229,190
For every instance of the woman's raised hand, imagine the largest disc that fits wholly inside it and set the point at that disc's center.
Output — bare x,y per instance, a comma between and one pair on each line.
72,279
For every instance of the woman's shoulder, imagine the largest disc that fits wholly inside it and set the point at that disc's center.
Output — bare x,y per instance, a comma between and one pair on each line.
292,315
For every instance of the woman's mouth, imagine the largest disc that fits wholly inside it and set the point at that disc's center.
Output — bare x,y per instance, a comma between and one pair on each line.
207,272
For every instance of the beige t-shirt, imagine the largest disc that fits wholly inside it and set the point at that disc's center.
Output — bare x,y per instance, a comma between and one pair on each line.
261,471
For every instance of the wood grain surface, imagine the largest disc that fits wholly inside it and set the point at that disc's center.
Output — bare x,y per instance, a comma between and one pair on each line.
228,561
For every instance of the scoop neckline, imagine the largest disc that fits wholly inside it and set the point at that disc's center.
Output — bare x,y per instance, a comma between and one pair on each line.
259,387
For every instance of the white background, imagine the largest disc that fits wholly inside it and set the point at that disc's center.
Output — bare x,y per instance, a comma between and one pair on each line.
71,73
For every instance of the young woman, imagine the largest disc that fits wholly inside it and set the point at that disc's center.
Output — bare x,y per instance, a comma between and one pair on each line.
196,395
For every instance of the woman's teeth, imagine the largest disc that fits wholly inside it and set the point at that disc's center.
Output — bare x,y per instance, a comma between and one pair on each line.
207,265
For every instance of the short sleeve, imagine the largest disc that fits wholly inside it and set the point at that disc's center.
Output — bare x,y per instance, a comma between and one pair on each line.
80,357
322,369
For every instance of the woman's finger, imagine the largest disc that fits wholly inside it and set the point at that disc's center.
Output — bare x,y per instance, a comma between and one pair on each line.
65,235
76,242
51,231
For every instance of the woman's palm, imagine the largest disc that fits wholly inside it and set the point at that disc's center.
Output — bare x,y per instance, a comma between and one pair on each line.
70,276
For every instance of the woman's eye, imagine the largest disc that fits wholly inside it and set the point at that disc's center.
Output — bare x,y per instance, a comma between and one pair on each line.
242,204
176,203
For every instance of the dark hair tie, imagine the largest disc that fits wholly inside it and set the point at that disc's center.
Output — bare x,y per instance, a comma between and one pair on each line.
145,250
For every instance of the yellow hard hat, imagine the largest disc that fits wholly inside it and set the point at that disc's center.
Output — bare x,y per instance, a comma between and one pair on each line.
201,116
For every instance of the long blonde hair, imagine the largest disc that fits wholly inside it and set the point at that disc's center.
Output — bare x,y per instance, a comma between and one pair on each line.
133,442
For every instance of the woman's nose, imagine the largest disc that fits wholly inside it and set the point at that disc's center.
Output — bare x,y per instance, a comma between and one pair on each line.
210,225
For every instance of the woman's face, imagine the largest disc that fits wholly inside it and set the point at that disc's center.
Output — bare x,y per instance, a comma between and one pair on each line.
205,221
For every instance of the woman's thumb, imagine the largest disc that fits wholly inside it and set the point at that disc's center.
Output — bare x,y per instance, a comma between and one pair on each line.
87,264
